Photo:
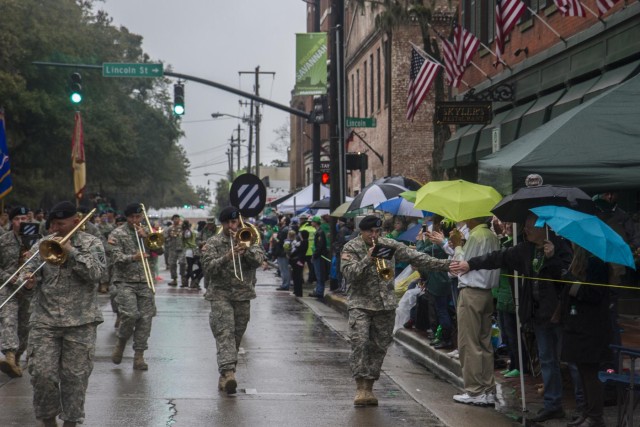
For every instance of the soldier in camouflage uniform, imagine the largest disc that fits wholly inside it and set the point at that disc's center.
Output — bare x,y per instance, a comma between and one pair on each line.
135,299
63,322
205,234
113,287
372,302
14,316
230,297
174,248
105,228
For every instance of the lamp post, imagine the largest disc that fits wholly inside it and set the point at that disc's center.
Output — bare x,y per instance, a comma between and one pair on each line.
251,122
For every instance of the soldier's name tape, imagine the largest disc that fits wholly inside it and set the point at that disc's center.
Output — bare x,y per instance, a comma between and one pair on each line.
571,282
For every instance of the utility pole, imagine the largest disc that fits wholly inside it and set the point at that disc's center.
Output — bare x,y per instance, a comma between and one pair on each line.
238,142
250,123
257,73
230,158
315,143
336,104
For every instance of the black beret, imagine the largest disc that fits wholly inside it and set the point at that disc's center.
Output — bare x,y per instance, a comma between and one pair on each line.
228,213
121,218
369,222
63,210
132,208
19,210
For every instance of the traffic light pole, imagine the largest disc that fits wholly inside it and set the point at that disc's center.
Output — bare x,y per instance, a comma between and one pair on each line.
315,151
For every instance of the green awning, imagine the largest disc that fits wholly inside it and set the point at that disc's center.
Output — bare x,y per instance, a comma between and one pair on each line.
572,97
485,142
537,114
612,78
467,149
510,126
451,148
594,146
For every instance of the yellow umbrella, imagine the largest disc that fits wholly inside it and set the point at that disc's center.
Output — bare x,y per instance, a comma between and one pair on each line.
341,210
458,200
409,196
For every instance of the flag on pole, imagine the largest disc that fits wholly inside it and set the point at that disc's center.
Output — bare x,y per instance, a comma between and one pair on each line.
452,70
5,168
78,163
466,45
508,12
605,5
421,77
570,7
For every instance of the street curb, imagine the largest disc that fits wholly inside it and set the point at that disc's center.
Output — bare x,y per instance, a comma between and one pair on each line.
434,360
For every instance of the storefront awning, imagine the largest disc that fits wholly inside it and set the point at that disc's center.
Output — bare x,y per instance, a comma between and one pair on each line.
572,97
594,146
612,78
451,148
537,114
485,142
467,149
510,126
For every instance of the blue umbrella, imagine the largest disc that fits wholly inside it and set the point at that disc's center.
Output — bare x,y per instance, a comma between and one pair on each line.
411,234
400,206
587,231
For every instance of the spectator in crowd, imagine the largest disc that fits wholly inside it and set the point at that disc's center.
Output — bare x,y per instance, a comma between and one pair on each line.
297,260
306,225
320,253
280,254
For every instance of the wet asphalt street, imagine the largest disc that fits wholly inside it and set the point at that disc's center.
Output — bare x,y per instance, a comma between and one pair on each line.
293,371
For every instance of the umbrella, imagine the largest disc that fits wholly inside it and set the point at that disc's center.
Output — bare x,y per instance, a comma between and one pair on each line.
341,210
587,231
411,234
320,204
373,194
457,200
408,183
515,207
400,206
409,195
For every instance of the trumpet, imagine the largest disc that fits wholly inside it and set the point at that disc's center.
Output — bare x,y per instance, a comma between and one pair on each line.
155,239
51,251
382,267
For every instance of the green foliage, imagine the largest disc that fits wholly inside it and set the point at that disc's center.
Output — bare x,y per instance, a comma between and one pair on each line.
131,137
222,196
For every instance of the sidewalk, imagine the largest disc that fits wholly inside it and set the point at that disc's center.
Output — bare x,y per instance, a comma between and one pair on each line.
508,389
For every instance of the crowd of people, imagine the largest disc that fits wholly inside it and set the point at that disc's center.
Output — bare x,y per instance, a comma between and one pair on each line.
50,296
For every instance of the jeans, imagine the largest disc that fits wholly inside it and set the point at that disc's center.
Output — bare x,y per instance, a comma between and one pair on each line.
509,327
441,304
321,271
283,265
548,338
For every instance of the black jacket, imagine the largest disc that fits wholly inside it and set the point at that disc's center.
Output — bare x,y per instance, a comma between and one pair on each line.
538,301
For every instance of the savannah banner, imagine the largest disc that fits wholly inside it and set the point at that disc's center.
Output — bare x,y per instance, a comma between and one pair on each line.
311,64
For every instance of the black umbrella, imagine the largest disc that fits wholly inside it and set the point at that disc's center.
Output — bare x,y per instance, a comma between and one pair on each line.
408,183
373,194
320,204
515,207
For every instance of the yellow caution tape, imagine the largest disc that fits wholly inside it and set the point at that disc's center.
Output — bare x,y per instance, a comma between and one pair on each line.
571,282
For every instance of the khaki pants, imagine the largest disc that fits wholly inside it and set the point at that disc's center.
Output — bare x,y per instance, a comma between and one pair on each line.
475,307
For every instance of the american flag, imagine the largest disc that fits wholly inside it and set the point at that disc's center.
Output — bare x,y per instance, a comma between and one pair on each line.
570,7
452,70
605,5
421,77
508,12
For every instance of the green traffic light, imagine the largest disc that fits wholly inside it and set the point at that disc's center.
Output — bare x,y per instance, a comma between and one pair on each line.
76,98
178,109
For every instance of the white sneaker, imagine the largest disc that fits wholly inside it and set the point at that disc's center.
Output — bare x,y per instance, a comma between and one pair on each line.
491,398
454,354
467,399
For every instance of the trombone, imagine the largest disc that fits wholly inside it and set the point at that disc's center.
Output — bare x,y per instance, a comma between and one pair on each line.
51,251
247,235
382,267
145,263
155,239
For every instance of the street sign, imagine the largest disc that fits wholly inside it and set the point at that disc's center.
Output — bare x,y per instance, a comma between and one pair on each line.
463,113
325,166
116,69
248,194
360,122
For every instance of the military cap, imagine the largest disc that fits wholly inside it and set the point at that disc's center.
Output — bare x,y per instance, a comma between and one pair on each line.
18,210
230,212
63,210
369,222
132,208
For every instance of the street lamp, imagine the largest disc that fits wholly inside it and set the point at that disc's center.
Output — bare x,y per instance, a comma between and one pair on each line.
251,122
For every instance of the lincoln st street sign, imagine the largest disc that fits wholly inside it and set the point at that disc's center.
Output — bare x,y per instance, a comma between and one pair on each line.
360,122
112,69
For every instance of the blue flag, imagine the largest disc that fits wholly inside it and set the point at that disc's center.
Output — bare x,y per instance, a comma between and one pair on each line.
5,168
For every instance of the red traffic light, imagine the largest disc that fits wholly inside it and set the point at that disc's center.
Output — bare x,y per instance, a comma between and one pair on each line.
325,178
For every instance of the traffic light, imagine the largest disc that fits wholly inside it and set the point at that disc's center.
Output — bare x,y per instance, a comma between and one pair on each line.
76,88
320,111
178,99
325,178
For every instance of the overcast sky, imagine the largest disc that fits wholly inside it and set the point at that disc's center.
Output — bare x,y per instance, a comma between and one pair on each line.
214,40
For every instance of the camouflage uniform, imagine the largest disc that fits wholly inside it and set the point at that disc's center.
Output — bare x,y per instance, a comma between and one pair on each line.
14,316
230,297
203,236
372,302
135,301
104,228
174,248
63,323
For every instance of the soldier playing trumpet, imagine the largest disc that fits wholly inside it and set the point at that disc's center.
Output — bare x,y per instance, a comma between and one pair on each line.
371,302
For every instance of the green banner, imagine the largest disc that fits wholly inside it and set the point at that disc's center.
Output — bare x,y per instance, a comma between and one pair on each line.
311,64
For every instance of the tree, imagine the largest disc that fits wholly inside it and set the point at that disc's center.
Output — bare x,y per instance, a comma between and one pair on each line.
222,196
204,197
282,142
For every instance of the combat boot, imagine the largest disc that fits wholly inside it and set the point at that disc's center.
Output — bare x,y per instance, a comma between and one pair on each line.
8,365
361,398
230,383
222,381
173,282
184,283
138,361
116,356
368,391
49,422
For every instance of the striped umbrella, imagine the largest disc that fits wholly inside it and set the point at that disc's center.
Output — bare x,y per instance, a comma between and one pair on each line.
373,194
